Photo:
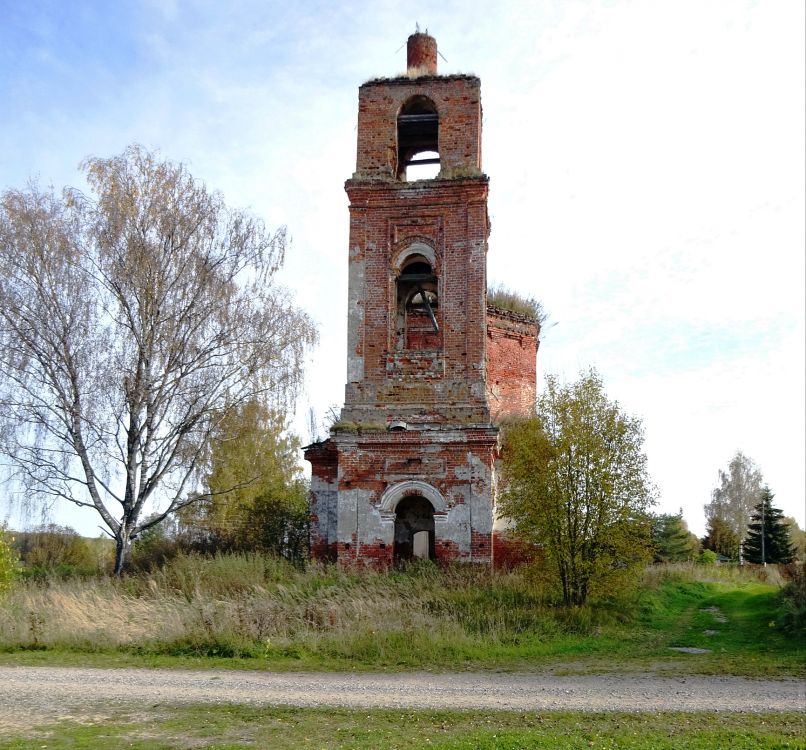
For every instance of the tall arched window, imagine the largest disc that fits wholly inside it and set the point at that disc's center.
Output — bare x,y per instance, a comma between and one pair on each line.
418,306
417,139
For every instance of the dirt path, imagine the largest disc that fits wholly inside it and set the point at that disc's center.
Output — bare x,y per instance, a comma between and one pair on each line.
47,693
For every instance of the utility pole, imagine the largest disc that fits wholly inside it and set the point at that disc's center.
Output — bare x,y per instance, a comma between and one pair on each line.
763,531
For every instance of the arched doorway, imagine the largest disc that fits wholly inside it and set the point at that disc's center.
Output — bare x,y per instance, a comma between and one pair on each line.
414,529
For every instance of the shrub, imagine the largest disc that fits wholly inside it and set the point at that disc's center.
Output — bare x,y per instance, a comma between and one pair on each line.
53,551
794,601
154,548
708,557
8,563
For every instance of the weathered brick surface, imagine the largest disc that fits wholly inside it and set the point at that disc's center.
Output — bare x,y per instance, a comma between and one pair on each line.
509,551
323,499
455,463
457,100
512,342
421,53
416,420
389,221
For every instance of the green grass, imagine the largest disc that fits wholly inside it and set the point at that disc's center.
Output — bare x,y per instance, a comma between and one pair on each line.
256,613
234,727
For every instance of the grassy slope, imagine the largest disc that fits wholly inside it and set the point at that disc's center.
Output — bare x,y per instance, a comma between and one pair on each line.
231,727
403,621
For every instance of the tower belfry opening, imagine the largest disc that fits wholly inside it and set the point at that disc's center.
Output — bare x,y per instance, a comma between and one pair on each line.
417,139
408,471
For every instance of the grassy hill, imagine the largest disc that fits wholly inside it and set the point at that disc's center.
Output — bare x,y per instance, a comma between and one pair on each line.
251,611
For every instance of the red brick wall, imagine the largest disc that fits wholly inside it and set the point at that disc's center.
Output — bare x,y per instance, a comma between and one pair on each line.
511,363
435,383
422,52
451,215
386,218
510,551
420,333
375,461
389,378
458,102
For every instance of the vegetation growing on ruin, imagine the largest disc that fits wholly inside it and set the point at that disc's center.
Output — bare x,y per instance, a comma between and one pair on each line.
504,298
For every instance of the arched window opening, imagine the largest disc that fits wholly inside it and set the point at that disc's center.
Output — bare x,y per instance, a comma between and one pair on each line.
418,306
414,530
418,140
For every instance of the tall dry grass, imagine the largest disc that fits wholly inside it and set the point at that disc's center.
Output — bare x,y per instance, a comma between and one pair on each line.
252,605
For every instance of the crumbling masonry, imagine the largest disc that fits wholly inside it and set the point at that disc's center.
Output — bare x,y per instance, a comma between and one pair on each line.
410,468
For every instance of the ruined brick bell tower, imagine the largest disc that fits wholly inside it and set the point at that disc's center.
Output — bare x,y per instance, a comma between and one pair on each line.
409,469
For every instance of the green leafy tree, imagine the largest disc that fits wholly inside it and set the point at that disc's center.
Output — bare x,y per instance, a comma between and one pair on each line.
767,538
721,538
132,321
576,483
672,540
738,492
798,538
257,497
9,565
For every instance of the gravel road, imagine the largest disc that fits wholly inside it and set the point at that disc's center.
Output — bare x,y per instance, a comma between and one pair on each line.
53,692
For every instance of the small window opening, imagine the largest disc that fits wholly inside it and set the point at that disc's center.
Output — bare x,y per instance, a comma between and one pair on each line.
418,140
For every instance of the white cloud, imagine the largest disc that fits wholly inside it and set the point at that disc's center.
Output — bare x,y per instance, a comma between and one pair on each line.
646,159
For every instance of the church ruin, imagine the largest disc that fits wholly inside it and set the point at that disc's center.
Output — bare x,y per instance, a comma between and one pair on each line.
409,470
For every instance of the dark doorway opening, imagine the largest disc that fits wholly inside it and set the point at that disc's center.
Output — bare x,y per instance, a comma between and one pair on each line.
414,530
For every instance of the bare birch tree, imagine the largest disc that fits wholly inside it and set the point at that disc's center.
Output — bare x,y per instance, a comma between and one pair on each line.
132,321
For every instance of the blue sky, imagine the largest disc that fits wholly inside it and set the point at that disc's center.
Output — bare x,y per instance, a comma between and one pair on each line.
646,163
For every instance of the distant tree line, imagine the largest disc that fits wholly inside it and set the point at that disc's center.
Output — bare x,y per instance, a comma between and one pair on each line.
742,523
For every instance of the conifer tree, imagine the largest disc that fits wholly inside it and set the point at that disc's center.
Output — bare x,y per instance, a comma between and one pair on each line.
672,540
767,538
